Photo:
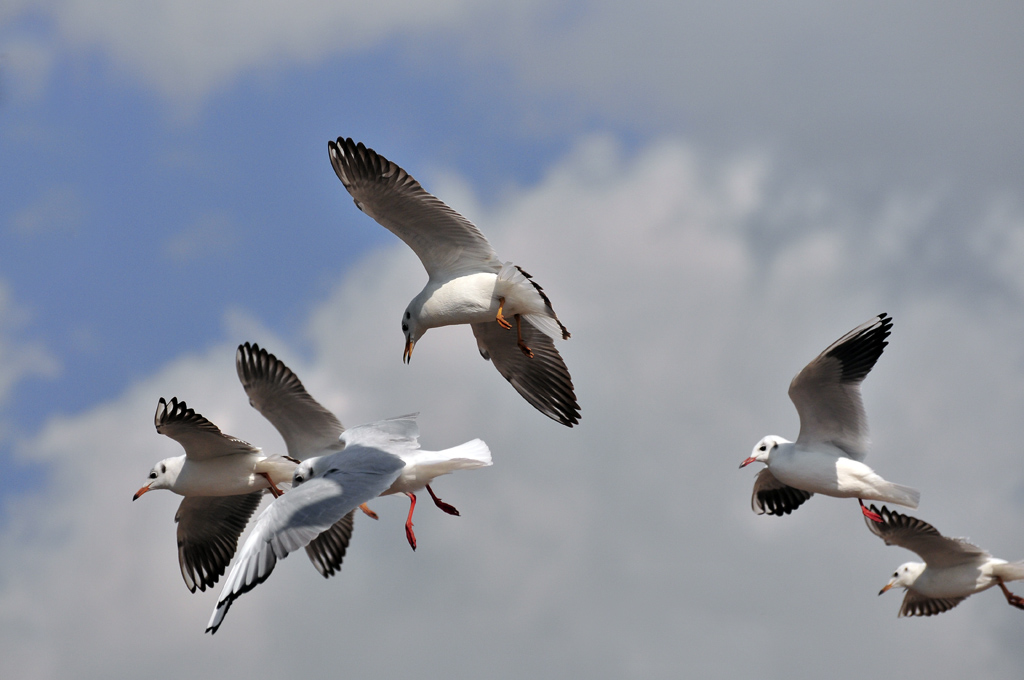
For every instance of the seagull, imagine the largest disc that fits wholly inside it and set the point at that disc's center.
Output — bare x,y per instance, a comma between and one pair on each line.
222,479
325,488
310,429
467,282
952,569
827,457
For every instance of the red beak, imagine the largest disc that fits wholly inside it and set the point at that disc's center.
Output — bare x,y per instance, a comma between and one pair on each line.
140,492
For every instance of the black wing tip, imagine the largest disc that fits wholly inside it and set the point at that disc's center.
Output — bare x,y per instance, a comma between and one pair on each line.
859,350
896,521
174,411
781,501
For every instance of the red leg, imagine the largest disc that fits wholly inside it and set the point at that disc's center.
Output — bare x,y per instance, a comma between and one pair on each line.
1015,600
408,522
366,510
450,509
273,487
873,516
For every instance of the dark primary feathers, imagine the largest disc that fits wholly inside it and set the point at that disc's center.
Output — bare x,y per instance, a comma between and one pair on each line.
200,438
772,497
308,429
327,550
543,380
208,531
388,194
922,538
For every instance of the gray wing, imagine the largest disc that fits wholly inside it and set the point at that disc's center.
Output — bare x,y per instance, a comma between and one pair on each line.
772,497
277,393
394,435
208,531
924,539
200,438
543,381
826,392
328,549
916,604
447,243
293,520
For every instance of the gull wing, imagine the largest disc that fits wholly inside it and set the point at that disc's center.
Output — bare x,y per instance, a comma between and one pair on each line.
277,393
328,549
200,438
826,392
208,531
293,520
447,243
922,538
772,497
543,380
916,604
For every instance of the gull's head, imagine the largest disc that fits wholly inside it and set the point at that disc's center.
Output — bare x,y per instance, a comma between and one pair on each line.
162,476
763,450
904,576
304,472
412,328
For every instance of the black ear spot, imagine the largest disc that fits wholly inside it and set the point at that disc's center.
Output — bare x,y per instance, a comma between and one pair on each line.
163,468
408,315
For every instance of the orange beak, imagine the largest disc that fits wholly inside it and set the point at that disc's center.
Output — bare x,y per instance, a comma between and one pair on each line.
407,354
886,588
140,492
747,462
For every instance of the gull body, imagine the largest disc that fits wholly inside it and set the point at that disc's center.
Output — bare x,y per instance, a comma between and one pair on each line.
953,570
310,429
467,283
222,479
325,488
828,455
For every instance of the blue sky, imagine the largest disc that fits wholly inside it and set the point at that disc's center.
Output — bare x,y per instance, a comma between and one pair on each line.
710,193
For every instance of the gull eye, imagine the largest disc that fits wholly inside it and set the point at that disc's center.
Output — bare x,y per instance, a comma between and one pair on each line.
405,328
763,448
152,475
297,480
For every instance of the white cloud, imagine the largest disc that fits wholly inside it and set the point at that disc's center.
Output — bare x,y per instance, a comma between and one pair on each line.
622,547
19,358
186,49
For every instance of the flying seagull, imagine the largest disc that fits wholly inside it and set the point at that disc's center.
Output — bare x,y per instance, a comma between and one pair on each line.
467,282
827,457
325,488
953,569
222,479
310,429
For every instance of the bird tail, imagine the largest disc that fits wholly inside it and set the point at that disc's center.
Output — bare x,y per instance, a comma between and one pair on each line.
1011,571
468,456
901,495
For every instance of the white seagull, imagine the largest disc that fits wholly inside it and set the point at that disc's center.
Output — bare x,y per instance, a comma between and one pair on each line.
953,569
324,489
310,429
222,479
827,457
467,282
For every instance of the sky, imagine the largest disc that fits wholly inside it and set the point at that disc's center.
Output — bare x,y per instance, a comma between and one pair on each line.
710,192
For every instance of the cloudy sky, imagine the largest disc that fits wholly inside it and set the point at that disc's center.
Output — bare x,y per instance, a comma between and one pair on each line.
711,194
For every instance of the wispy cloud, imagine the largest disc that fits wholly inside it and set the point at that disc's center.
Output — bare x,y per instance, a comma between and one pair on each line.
58,211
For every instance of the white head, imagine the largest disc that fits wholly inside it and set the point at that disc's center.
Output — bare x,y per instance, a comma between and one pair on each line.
411,327
904,576
317,466
763,450
162,476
